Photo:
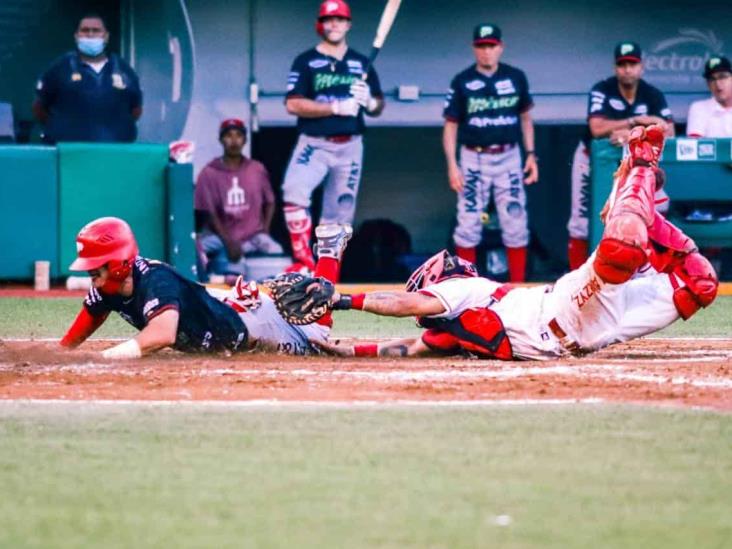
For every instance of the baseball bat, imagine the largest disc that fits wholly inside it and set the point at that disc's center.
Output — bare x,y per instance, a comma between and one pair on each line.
382,31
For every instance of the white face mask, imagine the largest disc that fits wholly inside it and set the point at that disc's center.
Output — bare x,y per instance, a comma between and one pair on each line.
90,46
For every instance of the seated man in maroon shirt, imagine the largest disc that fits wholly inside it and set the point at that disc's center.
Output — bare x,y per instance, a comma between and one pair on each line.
235,204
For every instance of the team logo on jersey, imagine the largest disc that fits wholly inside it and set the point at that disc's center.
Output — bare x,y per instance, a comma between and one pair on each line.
641,109
150,305
617,104
318,63
118,82
479,104
475,85
504,87
329,80
235,196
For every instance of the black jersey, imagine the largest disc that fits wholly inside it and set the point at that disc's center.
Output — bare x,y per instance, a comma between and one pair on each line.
487,108
205,323
325,79
606,101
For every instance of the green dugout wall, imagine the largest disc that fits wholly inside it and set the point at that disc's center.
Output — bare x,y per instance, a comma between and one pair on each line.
699,172
48,193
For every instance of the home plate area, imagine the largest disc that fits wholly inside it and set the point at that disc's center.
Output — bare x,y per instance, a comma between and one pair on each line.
681,372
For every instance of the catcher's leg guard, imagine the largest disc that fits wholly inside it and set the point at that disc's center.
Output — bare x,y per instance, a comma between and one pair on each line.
700,288
645,145
299,225
669,245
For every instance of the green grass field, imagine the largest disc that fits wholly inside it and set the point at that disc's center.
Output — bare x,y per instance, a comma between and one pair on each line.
81,476
94,475
21,317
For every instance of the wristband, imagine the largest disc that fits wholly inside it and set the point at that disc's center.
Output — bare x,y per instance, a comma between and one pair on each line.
370,349
349,302
126,349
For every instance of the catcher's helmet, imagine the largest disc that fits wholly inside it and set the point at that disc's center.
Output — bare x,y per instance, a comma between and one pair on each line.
331,8
107,241
439,267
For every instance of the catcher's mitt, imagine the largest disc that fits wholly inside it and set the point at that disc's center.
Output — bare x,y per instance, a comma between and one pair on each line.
301,299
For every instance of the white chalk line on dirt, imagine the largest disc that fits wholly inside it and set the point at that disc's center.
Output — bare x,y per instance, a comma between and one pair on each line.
269,403
606,372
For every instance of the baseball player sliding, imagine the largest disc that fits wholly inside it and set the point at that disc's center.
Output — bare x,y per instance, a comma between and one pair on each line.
487,115
644,275
329,91
172,311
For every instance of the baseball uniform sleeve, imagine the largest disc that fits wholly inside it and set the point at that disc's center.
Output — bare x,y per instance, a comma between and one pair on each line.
46,88
162,293
453,102
374,83
298,81
459,294
695,120
135,91
525,100
597,103
660,106
94,303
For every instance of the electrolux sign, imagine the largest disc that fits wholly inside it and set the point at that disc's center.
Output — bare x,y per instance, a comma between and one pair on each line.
677,62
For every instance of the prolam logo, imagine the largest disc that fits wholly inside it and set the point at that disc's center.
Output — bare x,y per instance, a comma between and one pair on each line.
680,60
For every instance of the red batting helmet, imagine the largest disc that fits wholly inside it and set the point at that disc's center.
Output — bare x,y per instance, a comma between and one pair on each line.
439,267
331,8
106,241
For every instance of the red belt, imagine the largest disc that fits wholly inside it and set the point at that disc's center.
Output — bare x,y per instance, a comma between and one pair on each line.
571,346
491,149
338,138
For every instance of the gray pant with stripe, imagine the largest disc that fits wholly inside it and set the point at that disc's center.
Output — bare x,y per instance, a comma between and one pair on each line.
502,175
316,159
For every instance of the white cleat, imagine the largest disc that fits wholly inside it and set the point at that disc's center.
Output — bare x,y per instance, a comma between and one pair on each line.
332,239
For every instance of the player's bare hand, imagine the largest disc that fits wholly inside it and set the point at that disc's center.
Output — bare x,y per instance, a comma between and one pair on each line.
619,137
531,170
455,177
333,349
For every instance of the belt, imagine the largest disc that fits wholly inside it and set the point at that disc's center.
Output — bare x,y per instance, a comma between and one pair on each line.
571,346
491,149
338,138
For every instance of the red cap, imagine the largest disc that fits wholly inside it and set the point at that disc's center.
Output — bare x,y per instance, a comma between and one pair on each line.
104,240
334,8
232,124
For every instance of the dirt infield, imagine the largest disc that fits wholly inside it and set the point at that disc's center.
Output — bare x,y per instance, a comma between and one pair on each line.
693,372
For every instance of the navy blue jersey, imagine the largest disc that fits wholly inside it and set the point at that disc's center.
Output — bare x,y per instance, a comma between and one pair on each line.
84,105
325,79
205,323
487,108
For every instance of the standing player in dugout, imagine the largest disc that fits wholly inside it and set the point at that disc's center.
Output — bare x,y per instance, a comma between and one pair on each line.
329,92
487,114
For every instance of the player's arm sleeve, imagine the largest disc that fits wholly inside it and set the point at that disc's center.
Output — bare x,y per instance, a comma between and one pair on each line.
46,90
695,122
661,107
374,84
597,103
298,80
526,102
92,315
162,294
453,101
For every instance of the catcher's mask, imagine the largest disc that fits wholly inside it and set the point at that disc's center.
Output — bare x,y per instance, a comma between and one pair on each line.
107,241
439,267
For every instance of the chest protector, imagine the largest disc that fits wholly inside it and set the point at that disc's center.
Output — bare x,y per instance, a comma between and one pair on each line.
479,331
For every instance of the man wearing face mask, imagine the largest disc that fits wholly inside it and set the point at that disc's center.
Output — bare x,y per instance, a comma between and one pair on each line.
88,94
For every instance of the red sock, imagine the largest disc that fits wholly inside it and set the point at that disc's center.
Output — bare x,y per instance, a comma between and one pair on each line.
299,225
466,253
330,269
516,264
577,252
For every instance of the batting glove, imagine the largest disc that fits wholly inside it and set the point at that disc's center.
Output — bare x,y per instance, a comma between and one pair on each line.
345,107
361,92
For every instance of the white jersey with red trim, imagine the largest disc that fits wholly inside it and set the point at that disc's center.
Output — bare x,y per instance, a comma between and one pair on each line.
591,313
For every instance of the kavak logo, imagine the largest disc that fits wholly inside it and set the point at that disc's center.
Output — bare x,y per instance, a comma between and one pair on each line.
679,60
